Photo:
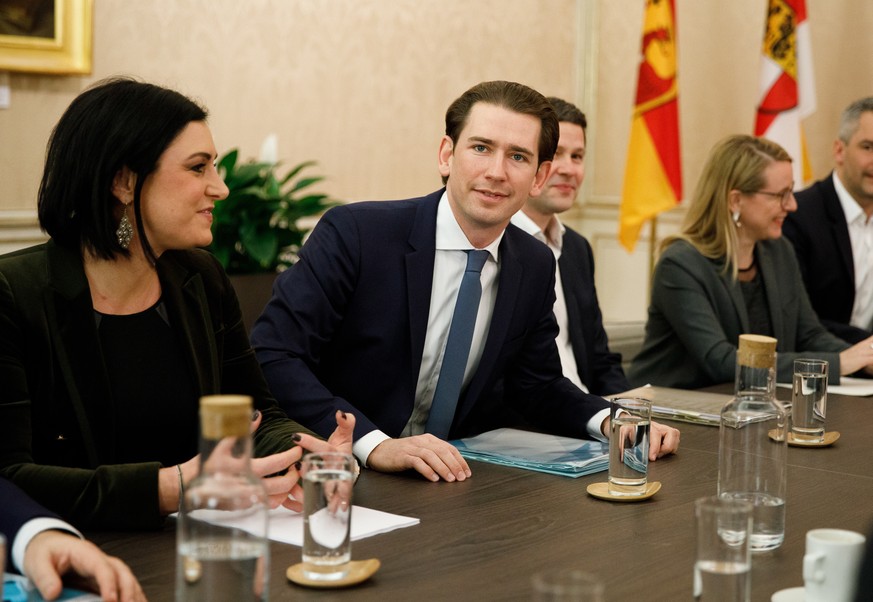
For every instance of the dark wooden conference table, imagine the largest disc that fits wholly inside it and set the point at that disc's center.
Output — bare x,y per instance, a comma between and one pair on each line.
482,539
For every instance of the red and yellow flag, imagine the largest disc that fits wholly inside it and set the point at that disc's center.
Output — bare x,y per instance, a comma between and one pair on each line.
787,82
653,176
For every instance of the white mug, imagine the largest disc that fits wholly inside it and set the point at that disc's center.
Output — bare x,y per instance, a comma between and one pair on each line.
831,564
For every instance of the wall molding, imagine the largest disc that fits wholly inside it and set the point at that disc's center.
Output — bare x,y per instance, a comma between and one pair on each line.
19,229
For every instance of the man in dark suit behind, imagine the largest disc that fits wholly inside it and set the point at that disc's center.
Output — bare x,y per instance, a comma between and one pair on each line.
832,232
582,341
360,322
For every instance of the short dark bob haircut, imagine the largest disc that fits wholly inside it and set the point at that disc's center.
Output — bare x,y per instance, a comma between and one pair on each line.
115,123
515,97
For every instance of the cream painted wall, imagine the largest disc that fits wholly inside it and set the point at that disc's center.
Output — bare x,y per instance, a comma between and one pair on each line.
359,85
719,52
362,86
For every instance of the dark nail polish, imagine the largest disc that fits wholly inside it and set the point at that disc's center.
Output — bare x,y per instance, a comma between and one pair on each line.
297,466
343,414
255,415
295,437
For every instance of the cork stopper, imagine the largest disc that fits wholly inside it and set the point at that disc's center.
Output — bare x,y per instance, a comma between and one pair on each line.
756,351
225,416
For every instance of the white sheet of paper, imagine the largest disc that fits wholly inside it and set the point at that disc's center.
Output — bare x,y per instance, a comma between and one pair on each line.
856,387
286,526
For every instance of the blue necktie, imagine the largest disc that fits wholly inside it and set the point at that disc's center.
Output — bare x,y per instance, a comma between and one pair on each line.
448,389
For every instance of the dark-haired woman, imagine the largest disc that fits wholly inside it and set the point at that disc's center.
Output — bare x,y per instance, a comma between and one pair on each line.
112,330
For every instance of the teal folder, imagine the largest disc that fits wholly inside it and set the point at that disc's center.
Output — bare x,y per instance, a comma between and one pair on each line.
536,451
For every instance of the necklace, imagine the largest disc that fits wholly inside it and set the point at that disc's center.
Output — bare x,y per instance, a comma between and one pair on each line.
748,269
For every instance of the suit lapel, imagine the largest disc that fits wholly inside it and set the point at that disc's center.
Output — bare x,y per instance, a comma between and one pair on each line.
771,288
508,288
70,313
419,277
571,282
736,295
838,226
184,296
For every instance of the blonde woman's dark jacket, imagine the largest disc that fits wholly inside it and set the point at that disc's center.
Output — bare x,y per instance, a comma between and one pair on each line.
697,313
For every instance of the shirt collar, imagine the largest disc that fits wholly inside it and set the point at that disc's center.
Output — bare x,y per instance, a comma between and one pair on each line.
450,237
851,209
554,237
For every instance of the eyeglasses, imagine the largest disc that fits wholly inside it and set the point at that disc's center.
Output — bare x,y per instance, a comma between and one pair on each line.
784,196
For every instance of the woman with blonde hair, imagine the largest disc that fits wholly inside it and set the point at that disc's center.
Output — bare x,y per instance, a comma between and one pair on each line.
729,272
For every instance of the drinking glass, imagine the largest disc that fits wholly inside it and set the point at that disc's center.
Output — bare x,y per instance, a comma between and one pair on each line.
630,420
722,570
328,479
809,398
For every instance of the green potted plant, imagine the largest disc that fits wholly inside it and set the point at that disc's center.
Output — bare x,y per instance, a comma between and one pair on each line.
256,230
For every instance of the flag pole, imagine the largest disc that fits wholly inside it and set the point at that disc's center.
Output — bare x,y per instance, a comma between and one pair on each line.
653,235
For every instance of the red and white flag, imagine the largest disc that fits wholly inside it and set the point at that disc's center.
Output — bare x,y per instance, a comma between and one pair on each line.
787,83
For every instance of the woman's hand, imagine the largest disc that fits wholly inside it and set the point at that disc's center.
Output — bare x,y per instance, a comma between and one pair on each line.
856,357
340,440
286,489
282,489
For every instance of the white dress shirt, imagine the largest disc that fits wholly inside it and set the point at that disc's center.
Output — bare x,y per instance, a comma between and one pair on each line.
554,239
861,236
31,529
450,262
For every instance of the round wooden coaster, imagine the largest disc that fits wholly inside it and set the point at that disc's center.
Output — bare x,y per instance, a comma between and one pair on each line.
830,437
601,491
359,571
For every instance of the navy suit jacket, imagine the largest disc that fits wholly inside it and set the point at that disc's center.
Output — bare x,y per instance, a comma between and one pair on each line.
820,236
346,326
599,368
18,508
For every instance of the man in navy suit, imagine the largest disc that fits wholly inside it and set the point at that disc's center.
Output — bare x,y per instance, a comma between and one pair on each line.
360,322
832,232
582,342
44,548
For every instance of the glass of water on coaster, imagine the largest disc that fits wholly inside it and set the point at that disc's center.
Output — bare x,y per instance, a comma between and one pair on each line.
630,420
809,398
722,569
328,480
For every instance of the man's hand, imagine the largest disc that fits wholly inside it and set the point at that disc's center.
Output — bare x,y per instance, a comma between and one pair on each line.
663,440
52,554
432,457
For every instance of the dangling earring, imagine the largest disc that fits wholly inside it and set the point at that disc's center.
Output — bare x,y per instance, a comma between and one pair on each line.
125,230
736,217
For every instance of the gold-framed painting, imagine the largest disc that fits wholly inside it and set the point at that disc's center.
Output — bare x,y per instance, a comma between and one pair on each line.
46,36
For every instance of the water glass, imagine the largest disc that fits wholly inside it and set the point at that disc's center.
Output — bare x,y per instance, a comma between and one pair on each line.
328,479
566,585
630,420
809,397
722,570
